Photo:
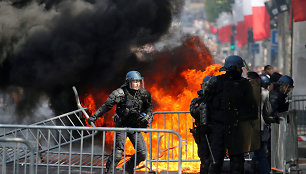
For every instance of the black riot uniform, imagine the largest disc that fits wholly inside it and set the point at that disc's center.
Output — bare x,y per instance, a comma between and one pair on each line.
234,116
131,106
277,98
199,110
277,103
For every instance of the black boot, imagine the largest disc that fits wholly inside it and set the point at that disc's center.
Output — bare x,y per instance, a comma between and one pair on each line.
237,164
204,167
110,166
215,168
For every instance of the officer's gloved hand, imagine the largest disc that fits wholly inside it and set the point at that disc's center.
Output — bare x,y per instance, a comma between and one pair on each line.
203,129
92,119
144,119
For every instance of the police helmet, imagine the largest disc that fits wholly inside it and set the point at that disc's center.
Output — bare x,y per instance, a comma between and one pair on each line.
208,81
286,80
232,62
265,79
133,75
207,78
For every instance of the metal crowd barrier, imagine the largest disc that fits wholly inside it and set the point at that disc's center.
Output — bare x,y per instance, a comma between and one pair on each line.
298,103
74,118
66,143
47,140
284,151
177,121
86,155
56,142
16,143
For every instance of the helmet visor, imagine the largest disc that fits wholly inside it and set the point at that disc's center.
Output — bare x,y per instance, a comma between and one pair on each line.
136,84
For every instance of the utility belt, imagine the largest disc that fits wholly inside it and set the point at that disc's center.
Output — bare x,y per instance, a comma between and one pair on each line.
127,121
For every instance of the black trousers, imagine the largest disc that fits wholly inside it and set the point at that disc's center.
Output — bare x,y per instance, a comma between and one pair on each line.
217,133
139,145
218,145
203,150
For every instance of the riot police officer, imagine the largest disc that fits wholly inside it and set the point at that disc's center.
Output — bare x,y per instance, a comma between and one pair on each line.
277,103
133,109
277,98
200,112
234,110
279,94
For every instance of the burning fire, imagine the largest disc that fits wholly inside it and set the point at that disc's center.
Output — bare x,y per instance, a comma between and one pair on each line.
176,95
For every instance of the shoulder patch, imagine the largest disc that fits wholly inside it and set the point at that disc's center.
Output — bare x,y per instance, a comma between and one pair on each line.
119,92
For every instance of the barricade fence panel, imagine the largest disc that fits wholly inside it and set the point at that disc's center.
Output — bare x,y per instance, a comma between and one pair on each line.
56,146
49,138
16,146
298,103
182,122
284,151
80,152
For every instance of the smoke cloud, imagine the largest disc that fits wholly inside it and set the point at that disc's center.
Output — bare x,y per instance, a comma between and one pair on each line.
50,46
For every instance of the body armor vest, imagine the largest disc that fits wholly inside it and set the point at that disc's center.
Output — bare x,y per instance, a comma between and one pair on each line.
129,109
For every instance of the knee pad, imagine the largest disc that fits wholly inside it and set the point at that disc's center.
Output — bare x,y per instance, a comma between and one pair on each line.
118,155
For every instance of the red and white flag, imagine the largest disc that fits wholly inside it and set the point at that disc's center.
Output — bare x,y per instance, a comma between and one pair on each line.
261,20
247,14
224,24
237,11
299,12
247,23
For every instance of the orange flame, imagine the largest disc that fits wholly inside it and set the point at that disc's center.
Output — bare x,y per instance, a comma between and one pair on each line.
176,97
181,102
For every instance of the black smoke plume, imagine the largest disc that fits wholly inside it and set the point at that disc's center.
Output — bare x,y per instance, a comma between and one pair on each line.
46,47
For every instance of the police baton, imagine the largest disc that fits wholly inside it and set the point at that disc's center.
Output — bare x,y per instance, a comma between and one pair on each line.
212,155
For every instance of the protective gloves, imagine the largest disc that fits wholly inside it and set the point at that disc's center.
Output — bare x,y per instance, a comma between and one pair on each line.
144,119
92,119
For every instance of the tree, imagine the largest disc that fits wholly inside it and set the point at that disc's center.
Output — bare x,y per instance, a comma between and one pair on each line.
214,7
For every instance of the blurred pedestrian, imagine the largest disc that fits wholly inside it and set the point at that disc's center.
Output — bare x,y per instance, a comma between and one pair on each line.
268,70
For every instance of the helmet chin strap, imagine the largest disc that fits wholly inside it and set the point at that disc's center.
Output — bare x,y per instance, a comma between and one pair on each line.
284,89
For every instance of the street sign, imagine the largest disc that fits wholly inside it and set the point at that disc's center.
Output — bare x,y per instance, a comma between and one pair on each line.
255,48
274,37
274,49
